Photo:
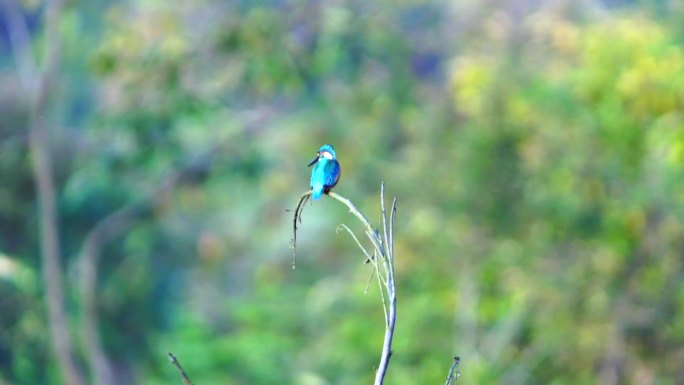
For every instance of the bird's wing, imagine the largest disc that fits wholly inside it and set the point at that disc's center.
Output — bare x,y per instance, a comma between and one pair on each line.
332,174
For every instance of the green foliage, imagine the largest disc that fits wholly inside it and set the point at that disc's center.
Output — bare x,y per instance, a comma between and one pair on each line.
537,158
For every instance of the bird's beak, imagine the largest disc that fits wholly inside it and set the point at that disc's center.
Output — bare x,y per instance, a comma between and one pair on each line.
314,160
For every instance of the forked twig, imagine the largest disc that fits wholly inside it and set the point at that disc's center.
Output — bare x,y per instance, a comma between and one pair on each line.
382,260
387,260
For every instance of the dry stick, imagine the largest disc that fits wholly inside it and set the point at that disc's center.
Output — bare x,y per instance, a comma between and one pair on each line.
384,254
369,258
388,262
452,371
384,215
298,216
176,363
372,232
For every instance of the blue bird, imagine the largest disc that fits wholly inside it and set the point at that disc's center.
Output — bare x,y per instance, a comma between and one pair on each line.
326,171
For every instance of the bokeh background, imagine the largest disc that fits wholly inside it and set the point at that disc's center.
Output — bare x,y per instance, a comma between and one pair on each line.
536,149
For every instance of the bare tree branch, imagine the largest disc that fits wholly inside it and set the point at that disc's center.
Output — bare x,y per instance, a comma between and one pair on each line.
44,181
358,243
383,256
387,259
176,363
454,374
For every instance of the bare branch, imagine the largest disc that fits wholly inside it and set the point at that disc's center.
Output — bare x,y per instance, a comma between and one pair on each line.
383,255
176,363
454,374
365,252
375,236
393,216
382,284
387,261
298,217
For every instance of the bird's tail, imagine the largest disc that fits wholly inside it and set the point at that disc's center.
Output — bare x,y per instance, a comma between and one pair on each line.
317,191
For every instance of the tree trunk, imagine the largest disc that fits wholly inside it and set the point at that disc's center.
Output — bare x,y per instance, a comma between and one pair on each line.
45,188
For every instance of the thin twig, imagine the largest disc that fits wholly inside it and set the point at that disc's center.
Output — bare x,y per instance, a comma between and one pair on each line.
376,241
385,272
370,279
393,216
382,283
298,216
365,252
384,215
357,213
454,374
176,363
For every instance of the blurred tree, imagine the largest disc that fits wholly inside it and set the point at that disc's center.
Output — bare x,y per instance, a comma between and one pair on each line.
536,150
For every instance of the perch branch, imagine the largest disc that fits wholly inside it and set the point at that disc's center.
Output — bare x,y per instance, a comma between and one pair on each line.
382,260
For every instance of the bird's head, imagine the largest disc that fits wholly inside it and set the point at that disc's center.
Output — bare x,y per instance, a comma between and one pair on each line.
326,151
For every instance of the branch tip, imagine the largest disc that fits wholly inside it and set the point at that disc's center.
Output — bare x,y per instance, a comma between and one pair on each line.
176,363
454,373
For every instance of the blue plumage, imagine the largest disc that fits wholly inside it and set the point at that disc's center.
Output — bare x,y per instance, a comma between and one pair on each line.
326,171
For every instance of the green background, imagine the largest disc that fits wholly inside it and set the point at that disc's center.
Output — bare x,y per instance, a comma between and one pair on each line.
536,150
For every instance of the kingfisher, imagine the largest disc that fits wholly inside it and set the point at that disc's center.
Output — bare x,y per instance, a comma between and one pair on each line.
326,172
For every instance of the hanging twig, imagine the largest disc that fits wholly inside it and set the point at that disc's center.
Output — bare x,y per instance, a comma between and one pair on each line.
298,217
